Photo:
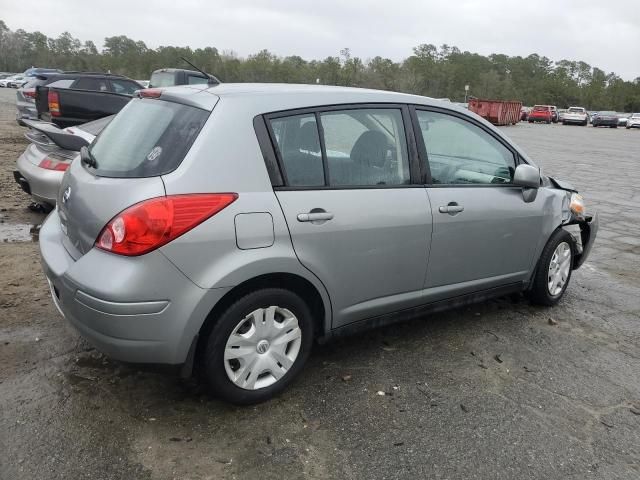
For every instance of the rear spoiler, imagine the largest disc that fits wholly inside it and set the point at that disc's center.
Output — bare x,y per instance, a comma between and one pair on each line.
61,138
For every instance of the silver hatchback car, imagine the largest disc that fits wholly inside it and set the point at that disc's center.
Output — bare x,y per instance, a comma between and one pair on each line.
226,228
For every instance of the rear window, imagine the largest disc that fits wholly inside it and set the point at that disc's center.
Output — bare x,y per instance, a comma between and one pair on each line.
540,108
147,138
576,110
162,79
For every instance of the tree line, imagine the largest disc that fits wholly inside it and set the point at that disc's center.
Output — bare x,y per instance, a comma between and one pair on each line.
440,72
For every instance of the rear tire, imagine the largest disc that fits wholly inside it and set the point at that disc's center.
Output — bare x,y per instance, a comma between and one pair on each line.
552,276
274,346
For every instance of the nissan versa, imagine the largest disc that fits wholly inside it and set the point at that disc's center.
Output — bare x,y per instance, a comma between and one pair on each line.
226,228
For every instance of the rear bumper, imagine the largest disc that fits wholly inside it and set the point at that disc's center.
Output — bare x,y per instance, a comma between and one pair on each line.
539,118
40,183
588,232
134,309
575,120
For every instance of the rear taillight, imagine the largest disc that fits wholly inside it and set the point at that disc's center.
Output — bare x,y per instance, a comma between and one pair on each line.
29,92
148,225
51,164
149,93
54,103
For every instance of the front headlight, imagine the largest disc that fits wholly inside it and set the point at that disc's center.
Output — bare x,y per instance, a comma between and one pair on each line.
576,205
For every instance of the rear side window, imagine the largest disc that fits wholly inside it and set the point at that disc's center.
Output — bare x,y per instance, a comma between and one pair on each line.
365,147
162,79
362,147
96,84
298,144
147,138
195,80
124,87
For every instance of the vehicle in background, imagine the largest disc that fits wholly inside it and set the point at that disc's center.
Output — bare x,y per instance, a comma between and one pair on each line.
17,81
41,167
633,121
169,77
605,119
524,114
35,71
540,113
4,83
561,113
623,118
88,97
575,115
498,112
223,227
26,107
554,113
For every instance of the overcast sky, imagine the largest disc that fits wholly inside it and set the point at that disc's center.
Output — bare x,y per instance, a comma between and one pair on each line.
602,33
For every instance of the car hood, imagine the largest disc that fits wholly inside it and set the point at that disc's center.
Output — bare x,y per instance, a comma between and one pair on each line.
562,185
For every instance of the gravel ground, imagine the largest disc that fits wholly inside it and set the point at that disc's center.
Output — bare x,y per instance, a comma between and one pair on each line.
501,390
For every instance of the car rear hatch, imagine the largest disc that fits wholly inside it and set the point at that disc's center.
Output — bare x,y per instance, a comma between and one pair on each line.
148,138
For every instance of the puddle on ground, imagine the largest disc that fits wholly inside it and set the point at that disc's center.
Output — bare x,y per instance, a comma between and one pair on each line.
18,232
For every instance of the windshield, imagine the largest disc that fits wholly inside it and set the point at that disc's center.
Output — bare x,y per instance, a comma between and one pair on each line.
147,138
162,79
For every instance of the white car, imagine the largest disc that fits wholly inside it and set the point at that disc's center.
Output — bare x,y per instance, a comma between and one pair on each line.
575,115
18,81
633,121
4,83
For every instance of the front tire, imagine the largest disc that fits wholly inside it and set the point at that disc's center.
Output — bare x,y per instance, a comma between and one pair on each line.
258,345
554,269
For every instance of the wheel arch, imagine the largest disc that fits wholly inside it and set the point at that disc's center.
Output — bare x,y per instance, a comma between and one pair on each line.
310,293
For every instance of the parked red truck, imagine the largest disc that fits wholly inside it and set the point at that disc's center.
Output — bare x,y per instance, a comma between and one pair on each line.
498,112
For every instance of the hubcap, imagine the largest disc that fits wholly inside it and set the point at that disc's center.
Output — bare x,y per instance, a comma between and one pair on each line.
262,348
559,268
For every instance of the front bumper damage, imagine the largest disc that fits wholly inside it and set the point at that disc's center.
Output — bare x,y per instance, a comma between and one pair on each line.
584,237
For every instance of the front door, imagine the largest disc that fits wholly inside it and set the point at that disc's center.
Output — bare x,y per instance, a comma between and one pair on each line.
355,219
484,233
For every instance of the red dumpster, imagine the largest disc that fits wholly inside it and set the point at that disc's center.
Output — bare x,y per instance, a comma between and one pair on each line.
498,112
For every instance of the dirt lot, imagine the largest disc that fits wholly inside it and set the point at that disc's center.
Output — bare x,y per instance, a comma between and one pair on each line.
502,390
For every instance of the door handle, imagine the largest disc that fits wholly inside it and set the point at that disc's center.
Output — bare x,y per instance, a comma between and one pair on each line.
315,217
451,209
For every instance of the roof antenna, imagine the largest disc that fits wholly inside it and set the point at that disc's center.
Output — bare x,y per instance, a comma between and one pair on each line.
211,79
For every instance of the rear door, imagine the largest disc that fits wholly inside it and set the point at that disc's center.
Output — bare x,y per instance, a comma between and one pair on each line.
484,233
356,220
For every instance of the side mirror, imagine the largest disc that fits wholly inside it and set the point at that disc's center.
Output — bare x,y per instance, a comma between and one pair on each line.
526,176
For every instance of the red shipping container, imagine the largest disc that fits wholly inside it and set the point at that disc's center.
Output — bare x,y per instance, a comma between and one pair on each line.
498,112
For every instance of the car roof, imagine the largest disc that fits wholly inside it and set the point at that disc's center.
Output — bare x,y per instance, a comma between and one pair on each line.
286,96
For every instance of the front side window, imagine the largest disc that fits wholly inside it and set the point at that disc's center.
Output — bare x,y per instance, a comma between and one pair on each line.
460,152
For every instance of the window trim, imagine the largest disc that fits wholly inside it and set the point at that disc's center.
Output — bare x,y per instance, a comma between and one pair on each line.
274,152
422,148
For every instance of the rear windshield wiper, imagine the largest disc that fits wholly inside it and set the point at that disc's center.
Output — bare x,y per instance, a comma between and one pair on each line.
87,158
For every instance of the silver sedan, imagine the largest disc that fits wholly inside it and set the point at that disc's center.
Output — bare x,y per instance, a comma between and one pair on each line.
41,167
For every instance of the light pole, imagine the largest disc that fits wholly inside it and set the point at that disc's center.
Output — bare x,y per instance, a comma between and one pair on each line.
466,91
